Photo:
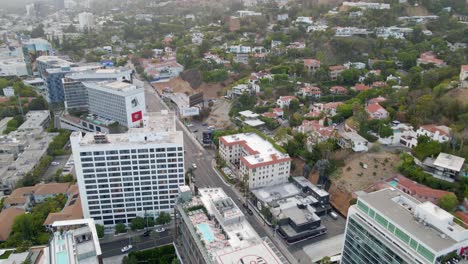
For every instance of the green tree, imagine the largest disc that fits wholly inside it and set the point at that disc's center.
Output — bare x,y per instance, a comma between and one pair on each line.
294,106
427,147
448,202
100,230
163,218
130,259
120,228
325,260
137,223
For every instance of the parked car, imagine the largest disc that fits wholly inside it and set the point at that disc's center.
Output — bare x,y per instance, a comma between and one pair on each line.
55,163
194,166
126,248
160,229
249,211
147,233
334,215
205,124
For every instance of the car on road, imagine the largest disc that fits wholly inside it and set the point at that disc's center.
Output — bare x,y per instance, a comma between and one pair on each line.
160,229
194,166
195,131
55,163
126,248
190,125
333,215
147,233
250,211
205,124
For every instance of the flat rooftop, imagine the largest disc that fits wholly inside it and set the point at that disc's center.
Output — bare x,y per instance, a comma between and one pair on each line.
35,119
450,162
234,240
99,73
353,136
260,149
269,194
388,203
122,87
159,127
304,182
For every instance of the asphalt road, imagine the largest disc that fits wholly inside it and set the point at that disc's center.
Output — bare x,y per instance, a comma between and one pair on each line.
206,177
113,248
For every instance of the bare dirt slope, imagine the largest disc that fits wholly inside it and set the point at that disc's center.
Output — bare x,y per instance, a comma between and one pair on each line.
353,177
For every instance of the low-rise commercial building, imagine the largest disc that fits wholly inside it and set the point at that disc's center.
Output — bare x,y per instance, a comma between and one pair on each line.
296,207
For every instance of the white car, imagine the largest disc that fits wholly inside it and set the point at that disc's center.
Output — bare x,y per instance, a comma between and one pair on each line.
126,248
55,163
160,230
194,166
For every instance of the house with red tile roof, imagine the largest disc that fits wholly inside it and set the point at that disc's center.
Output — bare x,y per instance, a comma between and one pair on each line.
311,64
418,191
278,111
285,100
434,132
376,111
428,58
338,90
359,87
328,109
378,84
310,91
335,71
316,130
7,218
72,209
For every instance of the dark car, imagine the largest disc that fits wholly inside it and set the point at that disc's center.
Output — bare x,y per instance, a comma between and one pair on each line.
245,206
147,233
249,211
205,124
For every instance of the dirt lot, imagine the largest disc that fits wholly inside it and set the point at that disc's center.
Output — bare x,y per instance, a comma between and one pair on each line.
210,90
353,177
219,116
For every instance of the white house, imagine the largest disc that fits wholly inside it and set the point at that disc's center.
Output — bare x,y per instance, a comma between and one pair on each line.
304,20
436,133
285,100
352,140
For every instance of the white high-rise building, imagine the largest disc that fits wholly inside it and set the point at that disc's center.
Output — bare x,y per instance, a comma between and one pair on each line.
86,21
253,156
76,94
389,226
121,176
120,101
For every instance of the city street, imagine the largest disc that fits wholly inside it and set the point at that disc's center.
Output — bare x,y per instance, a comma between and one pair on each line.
206,177
113,248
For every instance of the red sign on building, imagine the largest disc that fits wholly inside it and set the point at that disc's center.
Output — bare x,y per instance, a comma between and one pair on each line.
137,116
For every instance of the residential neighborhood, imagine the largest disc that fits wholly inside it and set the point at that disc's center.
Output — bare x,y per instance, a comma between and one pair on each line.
281,131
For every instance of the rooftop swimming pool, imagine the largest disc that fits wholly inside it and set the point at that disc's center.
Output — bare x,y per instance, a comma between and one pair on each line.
393,184
207,233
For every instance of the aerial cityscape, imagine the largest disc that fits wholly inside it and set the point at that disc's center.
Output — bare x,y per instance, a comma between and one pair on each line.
233,132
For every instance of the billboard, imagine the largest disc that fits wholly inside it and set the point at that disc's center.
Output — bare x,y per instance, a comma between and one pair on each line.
195,99
189,111
137,116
